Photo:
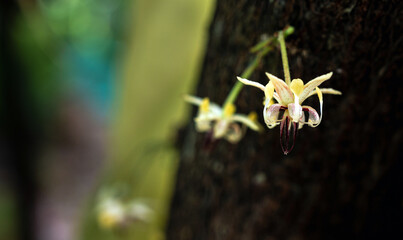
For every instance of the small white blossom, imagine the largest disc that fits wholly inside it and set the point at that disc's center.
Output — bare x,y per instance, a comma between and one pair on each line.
140,211
113,213
223,122
288,112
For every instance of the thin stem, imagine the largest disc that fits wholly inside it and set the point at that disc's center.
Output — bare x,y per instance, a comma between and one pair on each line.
262,49
284,58
245,74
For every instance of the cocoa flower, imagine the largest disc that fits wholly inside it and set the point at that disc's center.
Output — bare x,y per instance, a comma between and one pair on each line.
223,122
288,112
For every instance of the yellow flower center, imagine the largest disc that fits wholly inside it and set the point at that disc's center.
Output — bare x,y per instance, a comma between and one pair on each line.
252,116
229,109
107,220
297,86
269,90
204,106
319,92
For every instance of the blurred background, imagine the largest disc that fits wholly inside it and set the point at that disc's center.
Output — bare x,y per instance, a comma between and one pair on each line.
91,100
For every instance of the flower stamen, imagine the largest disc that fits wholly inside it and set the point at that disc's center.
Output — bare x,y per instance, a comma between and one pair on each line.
204,106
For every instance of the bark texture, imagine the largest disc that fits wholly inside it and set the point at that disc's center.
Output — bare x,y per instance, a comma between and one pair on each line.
344,178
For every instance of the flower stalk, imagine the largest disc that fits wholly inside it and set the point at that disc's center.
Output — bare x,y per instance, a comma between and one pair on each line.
236,89
261,49
284,58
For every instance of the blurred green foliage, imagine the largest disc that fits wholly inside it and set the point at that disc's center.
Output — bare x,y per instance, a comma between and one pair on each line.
160,65
8,211
136,59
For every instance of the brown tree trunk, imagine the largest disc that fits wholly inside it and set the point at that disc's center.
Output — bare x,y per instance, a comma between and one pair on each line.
344,178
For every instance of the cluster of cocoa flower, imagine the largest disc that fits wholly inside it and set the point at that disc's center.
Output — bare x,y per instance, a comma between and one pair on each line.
282,104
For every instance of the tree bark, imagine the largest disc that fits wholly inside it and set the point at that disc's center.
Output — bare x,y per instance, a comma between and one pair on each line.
343,178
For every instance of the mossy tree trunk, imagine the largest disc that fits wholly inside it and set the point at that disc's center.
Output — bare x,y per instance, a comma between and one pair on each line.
344,178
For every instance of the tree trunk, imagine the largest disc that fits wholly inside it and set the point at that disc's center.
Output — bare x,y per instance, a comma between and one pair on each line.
343,178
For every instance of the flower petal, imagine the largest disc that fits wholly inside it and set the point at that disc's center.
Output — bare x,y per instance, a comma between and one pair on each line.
325,91
193,100
269,90
229,110
213,107
251,83
254,125
301,121
297,86
234,133
205,105
320,96
295,111
203,124
284,92
220,128
311,85
288,129
313,116
271,114
276,96
252,116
